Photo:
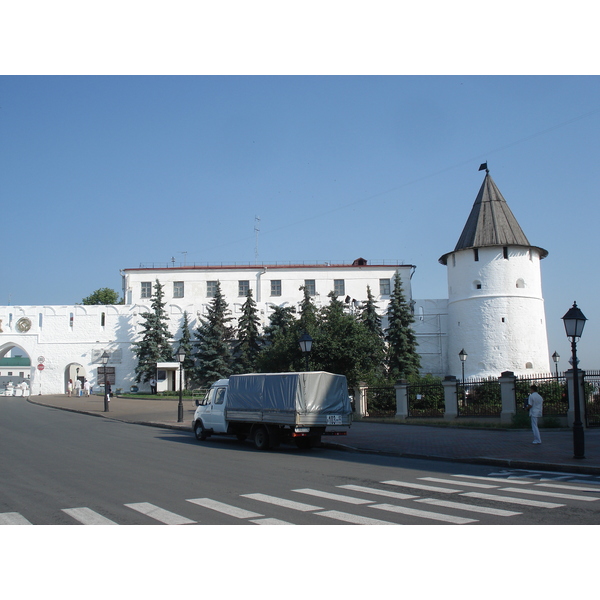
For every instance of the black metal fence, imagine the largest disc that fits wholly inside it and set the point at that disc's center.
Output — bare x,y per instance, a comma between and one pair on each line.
381,401
552,388
479,398
591,388
426,400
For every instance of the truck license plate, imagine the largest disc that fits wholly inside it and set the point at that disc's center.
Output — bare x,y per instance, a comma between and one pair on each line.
334,419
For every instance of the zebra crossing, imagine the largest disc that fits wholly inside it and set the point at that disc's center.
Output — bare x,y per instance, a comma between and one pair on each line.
458,499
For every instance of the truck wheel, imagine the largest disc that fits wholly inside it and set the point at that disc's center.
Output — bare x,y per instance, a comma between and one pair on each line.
199,431
261,438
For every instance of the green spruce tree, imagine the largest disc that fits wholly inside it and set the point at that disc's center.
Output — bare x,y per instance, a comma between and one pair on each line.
155,345
248,346
185,343
213,343
280,342
403,361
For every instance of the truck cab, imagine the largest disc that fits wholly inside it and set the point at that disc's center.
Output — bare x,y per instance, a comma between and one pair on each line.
210,413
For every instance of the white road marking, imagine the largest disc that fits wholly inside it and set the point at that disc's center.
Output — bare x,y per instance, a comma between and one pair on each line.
354,519
160,514
377,492
87,516
463,483
419,486
423,514
470,507
330,496
500,479
511,499
227,509
13,518
268,521
566,487
282,502
552,494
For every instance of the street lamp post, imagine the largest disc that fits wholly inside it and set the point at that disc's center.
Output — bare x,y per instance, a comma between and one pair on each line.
556,358
104,359
180,358
305,342
574,321
463,357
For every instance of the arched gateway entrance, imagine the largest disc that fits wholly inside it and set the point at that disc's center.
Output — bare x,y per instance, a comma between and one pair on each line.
15,370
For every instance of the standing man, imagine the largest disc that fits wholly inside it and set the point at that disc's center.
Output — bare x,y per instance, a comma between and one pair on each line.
534,404
153,386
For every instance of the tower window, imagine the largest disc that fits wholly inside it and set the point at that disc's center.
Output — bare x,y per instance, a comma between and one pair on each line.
476,254
520,283
477,285
505,252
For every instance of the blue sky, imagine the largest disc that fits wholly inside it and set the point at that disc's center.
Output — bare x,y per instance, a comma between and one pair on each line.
102,173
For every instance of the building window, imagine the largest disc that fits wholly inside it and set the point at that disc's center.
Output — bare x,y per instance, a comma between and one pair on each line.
520,283
276,287
243,287
454,260
477,285
211,289
310,286
178,289
71,319
476,254
146,289
384,287
505,252
102,319
339,287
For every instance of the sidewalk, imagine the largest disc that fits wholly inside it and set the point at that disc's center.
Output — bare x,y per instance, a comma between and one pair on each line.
501,448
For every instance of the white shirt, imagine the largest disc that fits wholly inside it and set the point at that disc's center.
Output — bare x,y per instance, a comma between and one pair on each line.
535,401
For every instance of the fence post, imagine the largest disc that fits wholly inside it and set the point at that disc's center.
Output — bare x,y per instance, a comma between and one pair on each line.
360,399
401,387
508,396
571,394
450,397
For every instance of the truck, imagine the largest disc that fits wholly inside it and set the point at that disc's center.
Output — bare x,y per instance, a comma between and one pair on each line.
275,408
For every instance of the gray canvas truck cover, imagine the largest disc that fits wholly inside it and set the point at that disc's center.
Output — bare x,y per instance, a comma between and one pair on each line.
311,392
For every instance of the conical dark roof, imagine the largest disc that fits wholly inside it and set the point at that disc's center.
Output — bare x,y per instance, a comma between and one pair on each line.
491,223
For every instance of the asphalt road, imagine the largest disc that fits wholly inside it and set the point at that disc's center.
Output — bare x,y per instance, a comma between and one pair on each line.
66,468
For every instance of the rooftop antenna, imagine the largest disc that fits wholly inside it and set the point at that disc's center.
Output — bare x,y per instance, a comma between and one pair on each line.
256,231
173,260
184,252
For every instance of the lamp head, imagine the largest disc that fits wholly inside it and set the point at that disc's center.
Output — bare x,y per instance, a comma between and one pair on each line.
574,321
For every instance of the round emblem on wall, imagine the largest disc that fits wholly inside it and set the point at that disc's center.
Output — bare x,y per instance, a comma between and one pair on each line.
23,325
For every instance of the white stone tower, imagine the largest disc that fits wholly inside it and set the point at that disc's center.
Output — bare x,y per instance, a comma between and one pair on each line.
495,304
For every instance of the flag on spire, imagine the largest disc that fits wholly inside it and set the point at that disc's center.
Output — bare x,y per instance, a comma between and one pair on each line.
483,166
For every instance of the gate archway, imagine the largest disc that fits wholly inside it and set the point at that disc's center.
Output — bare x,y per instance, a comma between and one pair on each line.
75,372
15,370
